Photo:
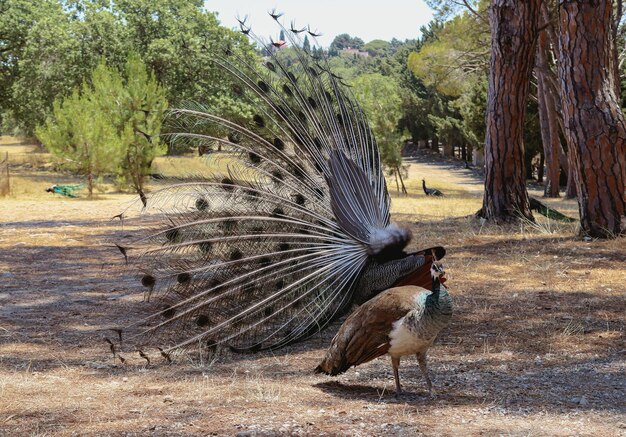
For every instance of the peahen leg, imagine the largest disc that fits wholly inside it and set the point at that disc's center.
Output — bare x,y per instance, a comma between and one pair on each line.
395,363
421,359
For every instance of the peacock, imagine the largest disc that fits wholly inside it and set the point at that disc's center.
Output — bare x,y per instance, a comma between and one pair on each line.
431,191
292,235
400,321
65,190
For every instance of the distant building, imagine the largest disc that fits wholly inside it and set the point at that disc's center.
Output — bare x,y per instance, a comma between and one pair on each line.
353,51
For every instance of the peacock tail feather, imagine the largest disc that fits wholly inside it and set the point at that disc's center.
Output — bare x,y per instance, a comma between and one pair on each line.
277,247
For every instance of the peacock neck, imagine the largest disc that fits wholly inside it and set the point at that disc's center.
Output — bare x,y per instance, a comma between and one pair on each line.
439,299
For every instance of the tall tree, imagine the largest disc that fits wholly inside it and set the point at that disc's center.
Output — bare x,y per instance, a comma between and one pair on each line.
140,113
344,41
83,138
513,38
111,126
594,123
44,67
178,40
48,47
547,117
380,98
17,17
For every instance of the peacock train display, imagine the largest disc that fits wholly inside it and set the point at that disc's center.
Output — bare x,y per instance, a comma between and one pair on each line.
292,235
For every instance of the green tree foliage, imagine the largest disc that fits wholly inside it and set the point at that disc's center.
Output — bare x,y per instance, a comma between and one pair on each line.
49,47
452,64
472,106
380,98
449,125
377,47
344,41
59,48
453,55
445,9
178,40
17,17
140,113
112,126
39,64
418,101
81,136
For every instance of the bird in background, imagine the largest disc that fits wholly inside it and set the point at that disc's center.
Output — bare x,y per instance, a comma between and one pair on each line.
400,321
431,191
294,234
65,190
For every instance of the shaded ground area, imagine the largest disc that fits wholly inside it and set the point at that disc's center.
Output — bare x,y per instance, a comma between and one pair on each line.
536,347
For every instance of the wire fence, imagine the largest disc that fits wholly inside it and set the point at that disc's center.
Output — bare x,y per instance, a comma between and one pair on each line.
10,161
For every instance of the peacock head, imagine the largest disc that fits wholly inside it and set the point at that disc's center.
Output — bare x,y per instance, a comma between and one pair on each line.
436,270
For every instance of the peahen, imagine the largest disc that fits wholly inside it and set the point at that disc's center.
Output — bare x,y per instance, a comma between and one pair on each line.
431,191
294,233
400,321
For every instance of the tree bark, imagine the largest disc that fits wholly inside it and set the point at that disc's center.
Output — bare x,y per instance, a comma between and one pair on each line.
404,190
542,163
570,189
594,123
513,40
614,51
395,173
563,162
90,184
548,122
553,103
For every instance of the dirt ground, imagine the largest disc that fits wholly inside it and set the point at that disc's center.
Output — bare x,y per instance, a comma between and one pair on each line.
537,345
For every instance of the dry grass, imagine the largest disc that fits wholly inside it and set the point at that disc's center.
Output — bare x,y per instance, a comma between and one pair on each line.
185,166
21,152
537,345
33,170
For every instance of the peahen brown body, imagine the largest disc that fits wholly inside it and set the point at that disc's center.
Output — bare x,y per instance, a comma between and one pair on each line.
400,321
294,233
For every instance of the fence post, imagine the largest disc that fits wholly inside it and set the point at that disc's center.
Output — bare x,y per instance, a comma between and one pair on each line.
5,185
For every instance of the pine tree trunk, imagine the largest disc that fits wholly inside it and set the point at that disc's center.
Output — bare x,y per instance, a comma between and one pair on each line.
550,86
513,37
614,51
570,188
90,184
547,114
549,129
404,190
563,162
542,163
594,123
395,173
